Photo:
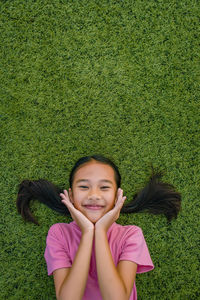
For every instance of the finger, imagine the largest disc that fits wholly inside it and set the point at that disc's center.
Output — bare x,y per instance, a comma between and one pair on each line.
119,192
119,195
120,202
65,199
65,195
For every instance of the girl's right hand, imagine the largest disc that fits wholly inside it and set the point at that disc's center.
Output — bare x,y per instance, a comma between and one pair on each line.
81,220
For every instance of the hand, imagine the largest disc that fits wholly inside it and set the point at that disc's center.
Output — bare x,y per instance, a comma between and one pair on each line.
110,217
81,220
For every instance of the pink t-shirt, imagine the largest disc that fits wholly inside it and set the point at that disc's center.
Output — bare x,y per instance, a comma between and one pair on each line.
126,243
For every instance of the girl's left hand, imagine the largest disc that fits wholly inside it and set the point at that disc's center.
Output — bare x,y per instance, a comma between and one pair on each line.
110,217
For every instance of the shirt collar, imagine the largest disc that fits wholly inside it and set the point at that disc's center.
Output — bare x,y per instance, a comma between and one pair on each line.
78,228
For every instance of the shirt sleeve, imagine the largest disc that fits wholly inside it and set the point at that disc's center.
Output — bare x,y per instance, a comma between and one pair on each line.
134,248
56,254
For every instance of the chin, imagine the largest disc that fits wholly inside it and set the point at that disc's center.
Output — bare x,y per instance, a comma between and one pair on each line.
94,220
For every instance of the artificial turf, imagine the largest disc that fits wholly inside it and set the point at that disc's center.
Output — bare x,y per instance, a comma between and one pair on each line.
120,78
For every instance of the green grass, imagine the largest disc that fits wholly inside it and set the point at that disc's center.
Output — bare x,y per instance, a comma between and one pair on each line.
120,78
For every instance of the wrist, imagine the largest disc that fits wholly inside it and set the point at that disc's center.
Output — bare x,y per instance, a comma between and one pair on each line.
101,227
100,231
88,233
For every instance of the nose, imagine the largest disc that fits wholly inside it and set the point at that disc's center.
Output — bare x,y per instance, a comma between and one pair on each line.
94,194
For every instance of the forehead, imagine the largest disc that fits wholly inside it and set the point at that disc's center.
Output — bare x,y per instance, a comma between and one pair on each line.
95,170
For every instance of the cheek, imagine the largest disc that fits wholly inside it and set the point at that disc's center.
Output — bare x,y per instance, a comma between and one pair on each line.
77,199
112,200
77,204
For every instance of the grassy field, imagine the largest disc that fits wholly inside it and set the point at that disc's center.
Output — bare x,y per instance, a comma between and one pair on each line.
120,78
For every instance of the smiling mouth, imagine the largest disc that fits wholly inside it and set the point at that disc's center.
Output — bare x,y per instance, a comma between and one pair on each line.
94,207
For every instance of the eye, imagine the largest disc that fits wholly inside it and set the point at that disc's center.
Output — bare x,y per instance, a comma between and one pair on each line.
83,186
105,187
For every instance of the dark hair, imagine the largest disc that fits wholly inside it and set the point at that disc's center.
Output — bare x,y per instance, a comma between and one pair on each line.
156,197
98,158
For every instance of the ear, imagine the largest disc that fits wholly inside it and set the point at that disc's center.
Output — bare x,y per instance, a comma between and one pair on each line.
71,195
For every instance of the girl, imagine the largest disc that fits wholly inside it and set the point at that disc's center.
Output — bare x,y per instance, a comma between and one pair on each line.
93,257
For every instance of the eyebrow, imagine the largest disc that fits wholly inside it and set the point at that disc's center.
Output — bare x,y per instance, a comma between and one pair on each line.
102,180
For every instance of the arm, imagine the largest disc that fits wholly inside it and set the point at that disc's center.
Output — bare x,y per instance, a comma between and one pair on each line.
114,282
70,282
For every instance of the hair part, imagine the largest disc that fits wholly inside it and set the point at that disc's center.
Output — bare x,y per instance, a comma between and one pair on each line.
98,158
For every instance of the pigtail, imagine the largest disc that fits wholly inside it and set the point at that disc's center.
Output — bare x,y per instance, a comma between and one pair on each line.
156,197
42,190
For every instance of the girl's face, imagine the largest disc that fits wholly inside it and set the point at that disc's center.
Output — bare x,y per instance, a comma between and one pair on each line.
94,190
